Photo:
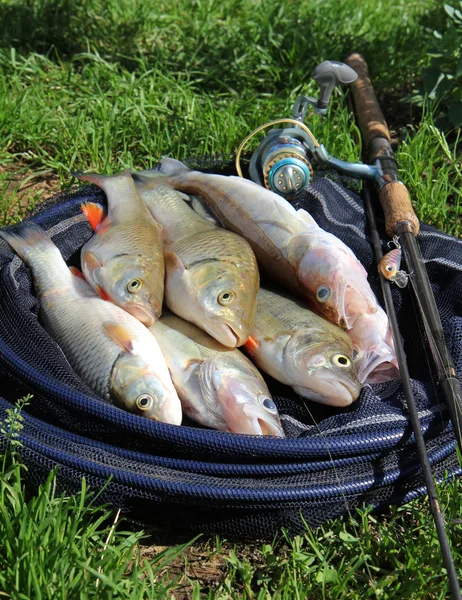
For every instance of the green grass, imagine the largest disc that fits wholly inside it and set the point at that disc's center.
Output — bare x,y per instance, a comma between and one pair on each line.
92,85
55,546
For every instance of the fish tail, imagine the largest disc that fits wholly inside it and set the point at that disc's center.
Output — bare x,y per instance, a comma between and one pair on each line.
147,180
100,180
27,239
164,174
170,166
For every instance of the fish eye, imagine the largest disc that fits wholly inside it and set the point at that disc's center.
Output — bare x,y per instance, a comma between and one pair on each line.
144,402
268,403
323,293
389,268
341,361
356,353
226,297
134,285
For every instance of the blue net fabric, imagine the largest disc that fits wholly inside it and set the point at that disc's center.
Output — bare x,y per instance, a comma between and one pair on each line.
195,479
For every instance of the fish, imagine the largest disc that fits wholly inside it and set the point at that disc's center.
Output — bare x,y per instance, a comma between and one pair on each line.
123,261
303,350
290,246
288,243
390,264
212,275
218,386
113,353
374,351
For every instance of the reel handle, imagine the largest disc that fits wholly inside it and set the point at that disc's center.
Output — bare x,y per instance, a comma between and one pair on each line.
328,74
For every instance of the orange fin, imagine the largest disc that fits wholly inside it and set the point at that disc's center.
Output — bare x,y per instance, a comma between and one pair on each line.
121,335
251,344
77,272
94,213
102,293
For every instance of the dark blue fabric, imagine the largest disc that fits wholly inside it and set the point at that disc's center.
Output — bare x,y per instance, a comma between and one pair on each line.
332,459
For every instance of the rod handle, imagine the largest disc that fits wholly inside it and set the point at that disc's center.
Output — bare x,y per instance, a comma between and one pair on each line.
368,112
397,208
394,197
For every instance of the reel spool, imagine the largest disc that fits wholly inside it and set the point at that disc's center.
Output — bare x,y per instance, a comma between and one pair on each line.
283,161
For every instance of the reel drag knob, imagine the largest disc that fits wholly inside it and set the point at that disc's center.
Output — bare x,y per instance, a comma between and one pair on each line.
286,168
289,176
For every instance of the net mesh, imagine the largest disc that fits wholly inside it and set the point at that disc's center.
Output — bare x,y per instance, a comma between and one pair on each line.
193,479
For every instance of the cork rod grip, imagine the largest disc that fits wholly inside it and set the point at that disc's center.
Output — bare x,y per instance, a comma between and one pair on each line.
393,196
397,208
368,112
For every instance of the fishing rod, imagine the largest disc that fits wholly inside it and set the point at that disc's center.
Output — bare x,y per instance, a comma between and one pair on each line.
284,162
402,223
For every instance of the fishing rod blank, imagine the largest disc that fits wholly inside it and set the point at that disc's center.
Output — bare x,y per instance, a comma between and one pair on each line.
401,220
435,509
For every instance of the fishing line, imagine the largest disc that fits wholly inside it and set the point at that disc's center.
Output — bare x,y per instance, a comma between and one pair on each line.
339,482
435,508
445,370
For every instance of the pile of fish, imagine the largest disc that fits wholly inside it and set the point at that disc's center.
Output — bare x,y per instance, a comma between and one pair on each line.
194,243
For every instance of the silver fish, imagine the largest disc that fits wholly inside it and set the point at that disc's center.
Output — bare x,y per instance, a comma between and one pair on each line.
124,261
114,354
290,247
212,276
303,350
374,352
218,387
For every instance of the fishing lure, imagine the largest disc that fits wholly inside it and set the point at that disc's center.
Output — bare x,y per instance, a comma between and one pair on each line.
390,264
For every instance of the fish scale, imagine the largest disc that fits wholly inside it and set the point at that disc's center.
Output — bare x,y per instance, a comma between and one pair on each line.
303,350
92,357
215,245
111,350
169,208
289,314
124,260
125,238
218,387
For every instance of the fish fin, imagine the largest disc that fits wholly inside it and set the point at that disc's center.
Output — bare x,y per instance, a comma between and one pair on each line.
91,261
99,179
205,377
147,180
184,196
173,263
27,238
252,345
306,217
121,335
199,206
168,166
120,190
102,293
193,362
77,272
94,213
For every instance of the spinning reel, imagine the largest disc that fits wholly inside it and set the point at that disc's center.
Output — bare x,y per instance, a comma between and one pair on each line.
283,160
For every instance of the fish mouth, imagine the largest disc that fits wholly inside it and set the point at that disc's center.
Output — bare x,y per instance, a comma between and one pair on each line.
144,315
227,336
267,428
385,371
368,367
337,393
